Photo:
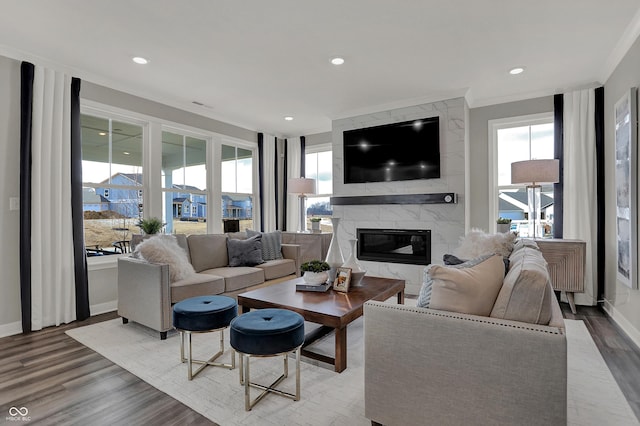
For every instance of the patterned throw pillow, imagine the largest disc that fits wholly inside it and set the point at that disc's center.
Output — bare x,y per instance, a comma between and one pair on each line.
271,244
245,252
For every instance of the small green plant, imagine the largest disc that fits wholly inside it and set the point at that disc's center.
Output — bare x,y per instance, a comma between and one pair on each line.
503,220
150,226
315,266
315,219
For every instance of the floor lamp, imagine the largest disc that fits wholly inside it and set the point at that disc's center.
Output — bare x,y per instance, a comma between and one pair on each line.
301,187
535,173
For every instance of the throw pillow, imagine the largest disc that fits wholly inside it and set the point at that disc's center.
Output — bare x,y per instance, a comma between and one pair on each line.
471,290
450,259
424,297
165,249
245,252
271,244
477,243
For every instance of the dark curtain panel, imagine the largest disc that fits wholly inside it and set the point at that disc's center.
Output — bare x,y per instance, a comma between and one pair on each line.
77,217
558,188
600,188
260,178
284,188
26,104
275,176
303,145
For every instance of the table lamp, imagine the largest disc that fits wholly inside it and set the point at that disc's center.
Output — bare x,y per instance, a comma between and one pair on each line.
301,187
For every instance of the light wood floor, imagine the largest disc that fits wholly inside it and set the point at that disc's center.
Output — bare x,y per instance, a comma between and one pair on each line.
62,382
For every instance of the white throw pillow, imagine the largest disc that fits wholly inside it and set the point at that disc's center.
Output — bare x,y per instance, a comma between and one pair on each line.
477,242
165,249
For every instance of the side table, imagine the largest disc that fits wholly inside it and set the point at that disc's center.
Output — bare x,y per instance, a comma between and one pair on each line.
566,262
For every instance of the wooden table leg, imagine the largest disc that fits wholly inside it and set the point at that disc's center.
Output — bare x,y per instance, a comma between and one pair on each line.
245,309
341,349
572,303
401,297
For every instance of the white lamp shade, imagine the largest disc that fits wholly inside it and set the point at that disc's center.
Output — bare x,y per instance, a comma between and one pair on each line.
535,172
302,186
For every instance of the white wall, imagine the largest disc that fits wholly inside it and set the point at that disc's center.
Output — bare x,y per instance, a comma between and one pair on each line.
10,322
446,221
621,302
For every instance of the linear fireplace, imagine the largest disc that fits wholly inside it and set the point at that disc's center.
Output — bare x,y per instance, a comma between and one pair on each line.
395,245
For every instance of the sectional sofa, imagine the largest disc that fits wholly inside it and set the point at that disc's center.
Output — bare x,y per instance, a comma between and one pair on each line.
147,290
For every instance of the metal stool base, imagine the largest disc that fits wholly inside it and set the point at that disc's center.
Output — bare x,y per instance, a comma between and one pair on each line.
246,381
208,363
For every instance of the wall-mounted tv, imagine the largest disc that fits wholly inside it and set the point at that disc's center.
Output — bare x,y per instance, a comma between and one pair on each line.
393,152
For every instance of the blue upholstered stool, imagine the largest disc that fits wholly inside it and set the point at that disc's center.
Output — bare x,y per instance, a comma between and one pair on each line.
265,333
204,314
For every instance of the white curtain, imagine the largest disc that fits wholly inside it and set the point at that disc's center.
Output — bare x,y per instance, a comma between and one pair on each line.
580,196
294,150
269,183
52,265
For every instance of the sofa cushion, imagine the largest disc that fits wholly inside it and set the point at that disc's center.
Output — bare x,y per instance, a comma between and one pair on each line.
196,285
245,252
526,292
208,251
271,244
165,249
239,277
471,290
477,242
277,268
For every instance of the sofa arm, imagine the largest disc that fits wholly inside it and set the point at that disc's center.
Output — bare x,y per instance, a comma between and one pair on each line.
424,366
144,294
292,251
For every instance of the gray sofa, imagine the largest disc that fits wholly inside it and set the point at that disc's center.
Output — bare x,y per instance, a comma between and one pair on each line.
425,366
146,292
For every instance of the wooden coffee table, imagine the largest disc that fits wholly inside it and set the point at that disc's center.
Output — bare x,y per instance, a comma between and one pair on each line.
333,310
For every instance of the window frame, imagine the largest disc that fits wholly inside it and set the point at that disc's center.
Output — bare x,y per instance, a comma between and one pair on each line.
494,126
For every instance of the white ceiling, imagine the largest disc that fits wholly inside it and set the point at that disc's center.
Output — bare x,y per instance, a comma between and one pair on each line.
252,62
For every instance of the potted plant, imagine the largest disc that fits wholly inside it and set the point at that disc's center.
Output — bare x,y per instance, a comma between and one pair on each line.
504,224
315,272
315,224
150,226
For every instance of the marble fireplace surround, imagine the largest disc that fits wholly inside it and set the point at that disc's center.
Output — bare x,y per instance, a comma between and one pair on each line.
445,220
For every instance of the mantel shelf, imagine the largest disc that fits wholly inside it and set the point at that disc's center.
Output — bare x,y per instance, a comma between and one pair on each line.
438,198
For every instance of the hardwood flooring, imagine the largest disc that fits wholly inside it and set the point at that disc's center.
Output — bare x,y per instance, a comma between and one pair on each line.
62,382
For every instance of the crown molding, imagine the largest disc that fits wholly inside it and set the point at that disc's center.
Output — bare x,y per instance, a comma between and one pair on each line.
627,40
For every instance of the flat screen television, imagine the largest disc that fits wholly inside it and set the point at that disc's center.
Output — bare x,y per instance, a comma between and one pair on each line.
393,152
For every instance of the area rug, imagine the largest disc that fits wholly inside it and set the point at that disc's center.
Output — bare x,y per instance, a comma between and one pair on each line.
328,398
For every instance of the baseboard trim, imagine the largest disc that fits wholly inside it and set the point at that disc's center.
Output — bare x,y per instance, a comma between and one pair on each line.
10,329
628,328
102,308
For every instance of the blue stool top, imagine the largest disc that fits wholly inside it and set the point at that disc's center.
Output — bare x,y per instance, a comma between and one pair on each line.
204,313
267,331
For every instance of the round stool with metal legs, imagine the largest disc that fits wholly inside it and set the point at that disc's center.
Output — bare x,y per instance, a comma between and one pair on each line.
267,333
204,314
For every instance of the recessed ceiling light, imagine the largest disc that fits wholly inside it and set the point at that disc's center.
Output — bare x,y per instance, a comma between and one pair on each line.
140,60
102,134
516,70
288,118
126,153
337,61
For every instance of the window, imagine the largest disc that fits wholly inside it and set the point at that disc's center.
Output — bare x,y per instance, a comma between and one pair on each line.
237,185
319,166
520,139
112,180
184,183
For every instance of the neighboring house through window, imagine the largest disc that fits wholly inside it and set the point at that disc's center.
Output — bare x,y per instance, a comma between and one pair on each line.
237,184
319,166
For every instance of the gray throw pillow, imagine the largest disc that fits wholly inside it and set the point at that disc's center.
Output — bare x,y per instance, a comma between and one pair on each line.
245,252
450,259
271,244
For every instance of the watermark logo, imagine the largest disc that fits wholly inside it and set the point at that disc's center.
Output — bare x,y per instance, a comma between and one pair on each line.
18,415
